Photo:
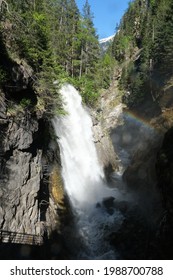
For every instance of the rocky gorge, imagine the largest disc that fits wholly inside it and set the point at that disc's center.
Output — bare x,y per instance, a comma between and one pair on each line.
32,195
134,147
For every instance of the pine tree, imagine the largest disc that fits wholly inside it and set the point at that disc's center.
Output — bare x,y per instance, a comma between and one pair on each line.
163,51
89,43
72,31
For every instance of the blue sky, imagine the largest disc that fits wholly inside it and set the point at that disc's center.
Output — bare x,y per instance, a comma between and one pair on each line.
107,13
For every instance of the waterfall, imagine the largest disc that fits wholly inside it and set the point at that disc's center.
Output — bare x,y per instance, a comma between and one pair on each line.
82,174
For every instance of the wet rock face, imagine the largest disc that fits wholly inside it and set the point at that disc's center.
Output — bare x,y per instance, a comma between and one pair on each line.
20,175
132,239
164,170
149,176
103,121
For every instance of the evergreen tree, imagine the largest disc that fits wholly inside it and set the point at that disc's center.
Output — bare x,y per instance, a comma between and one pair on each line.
147,28
72,31
163,51
57,41
89,43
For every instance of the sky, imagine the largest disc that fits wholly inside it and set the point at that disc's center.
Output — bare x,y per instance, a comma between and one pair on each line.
107,13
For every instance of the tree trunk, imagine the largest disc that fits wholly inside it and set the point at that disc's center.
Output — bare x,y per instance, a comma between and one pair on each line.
81,64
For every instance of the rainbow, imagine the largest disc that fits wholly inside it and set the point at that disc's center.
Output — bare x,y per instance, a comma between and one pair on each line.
148,124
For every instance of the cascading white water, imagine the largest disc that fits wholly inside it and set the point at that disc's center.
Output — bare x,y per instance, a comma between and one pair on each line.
82,174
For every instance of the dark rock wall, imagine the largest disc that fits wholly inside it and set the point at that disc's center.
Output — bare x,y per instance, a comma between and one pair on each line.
164,169
26,161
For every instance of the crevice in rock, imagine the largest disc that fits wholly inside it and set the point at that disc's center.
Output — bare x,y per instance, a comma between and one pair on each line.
43,199
25,96
5,61
8,154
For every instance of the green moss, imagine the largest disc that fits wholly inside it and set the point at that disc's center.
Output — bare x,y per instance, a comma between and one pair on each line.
56,186
25,103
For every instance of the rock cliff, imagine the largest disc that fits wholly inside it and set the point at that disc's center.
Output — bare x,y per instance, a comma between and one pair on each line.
140,151
28,204
20,175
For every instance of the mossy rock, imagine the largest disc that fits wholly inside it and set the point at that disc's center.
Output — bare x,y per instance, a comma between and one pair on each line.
56,186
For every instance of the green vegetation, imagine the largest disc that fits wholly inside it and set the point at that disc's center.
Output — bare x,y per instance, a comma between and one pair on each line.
58,43
25,103
143,48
